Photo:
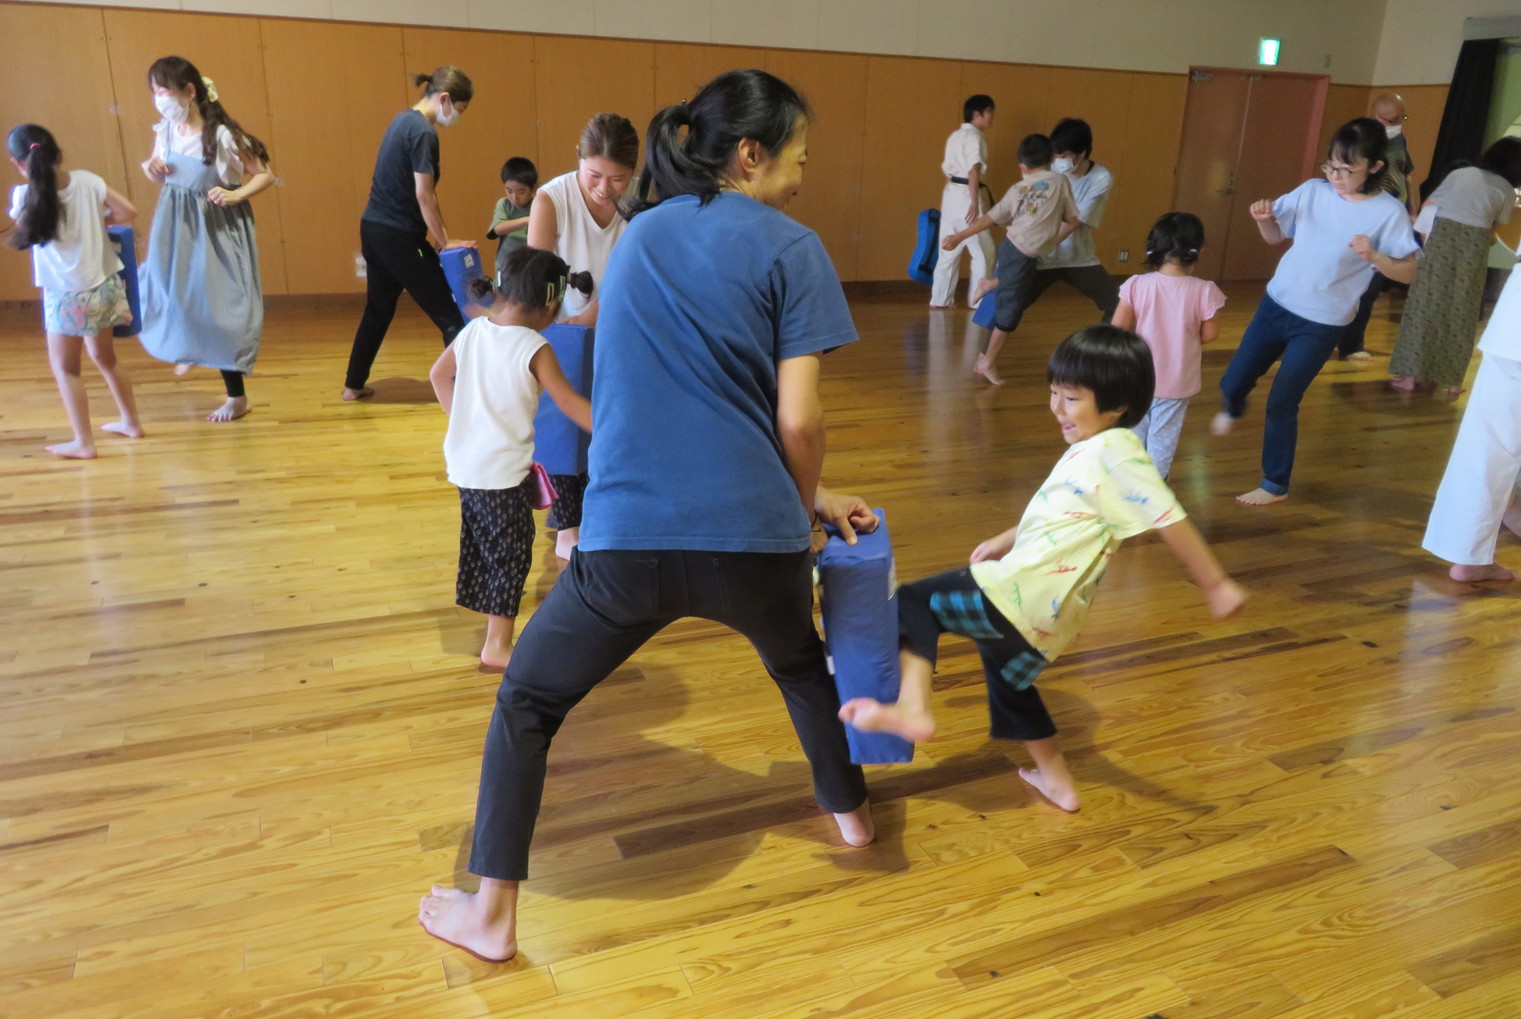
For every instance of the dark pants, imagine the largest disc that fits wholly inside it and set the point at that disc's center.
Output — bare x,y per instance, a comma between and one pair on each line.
1093,281
1016,287
953,603
1302,347
570,491
396,260
604,607
1352,338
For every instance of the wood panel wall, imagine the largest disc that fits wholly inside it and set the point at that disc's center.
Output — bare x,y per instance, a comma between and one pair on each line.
321,93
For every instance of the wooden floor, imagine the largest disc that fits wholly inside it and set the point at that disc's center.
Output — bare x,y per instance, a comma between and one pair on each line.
240,728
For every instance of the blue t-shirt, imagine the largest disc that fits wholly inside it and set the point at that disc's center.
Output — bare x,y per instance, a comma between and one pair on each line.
409,146
1320,277
699,304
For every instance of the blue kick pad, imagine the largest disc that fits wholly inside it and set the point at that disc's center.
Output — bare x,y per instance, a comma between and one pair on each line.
858,594
985,312
461,265
125,242
921,267
558,442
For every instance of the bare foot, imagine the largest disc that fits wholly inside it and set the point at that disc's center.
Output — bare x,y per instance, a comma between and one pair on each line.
983,368
183,369
1359,355
1404,383
1474,574
461,919
1221,424
362,393
1259,497
1057,789
867,715
941,307
857,828
131,431
1453,392
496,656
232,409
75,450
980,290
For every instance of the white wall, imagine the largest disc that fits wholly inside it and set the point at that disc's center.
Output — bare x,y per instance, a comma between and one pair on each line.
1421,38
1338,37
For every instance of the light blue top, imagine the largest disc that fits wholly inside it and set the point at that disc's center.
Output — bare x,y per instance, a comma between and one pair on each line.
1320,277
699,304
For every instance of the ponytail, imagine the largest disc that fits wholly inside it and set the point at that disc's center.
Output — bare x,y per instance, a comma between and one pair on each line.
41,212
176,73
732,107
446,79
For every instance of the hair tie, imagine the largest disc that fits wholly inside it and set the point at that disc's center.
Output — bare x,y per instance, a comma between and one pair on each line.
554,291
210,88
1193,251
34,145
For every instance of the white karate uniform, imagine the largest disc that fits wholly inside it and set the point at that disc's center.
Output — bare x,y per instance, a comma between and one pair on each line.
1485,465
964,149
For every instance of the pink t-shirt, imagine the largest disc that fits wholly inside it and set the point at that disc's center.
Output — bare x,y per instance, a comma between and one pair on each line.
1168,313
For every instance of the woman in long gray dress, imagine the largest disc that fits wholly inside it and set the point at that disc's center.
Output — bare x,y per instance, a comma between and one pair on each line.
201,298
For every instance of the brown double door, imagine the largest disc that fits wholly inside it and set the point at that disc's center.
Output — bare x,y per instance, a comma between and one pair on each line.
1246,135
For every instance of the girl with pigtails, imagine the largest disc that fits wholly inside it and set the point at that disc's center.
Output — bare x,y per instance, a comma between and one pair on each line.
201,296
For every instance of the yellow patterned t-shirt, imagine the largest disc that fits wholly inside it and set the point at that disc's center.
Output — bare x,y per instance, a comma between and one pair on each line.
1101,492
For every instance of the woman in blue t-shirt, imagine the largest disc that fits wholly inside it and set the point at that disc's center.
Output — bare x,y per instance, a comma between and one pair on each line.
1344,226
705,466
402,211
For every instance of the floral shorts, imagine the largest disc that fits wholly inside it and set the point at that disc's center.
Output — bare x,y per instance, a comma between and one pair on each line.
86,312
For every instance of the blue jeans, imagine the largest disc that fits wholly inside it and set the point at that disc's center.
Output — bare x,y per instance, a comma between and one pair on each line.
1302,347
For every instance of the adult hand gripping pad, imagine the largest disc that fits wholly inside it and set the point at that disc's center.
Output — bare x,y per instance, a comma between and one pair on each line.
858,594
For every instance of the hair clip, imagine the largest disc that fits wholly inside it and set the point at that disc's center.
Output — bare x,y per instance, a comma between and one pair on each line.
554,291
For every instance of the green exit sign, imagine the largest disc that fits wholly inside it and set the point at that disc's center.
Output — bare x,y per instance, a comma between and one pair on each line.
1267,52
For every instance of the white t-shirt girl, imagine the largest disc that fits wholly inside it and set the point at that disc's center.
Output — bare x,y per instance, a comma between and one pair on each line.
489,444
581,242
80,257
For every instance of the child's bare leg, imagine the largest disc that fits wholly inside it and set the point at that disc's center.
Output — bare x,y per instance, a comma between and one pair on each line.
910,715
103,353
498,649
566,539
1050,776
483,923
63,358
988,359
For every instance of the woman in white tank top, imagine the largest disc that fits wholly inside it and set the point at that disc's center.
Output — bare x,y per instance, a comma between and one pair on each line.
576,215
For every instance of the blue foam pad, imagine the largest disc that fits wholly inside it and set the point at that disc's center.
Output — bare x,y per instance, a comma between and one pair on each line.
858,592
125,242
983,314
921,266
461,265
558,442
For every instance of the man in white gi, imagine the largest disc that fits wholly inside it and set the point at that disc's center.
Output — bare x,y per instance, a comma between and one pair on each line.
1479,492
965,163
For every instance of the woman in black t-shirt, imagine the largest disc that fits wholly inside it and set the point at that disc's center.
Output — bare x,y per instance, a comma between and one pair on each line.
402,211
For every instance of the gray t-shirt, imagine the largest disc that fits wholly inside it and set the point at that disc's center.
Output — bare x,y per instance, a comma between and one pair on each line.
1474,197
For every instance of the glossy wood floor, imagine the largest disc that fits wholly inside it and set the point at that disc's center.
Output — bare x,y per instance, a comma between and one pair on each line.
240,728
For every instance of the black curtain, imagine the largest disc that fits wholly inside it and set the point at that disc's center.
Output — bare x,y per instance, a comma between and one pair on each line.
1461,135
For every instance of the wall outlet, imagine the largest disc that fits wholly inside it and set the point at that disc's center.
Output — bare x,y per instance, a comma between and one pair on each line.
360,271
1124,254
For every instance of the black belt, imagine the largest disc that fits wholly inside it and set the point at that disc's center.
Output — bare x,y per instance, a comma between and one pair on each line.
960,180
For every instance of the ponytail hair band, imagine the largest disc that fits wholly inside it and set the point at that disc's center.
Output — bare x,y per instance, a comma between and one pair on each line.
34,145
210,88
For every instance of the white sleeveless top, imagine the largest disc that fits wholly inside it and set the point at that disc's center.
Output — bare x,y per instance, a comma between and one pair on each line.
489,443
580,241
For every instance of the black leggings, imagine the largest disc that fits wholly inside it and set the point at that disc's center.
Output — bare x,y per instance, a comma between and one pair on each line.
603,608
396,260
234,383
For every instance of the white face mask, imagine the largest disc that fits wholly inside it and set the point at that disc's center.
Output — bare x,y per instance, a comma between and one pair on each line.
1393,130
445,119
1061,164
171,109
